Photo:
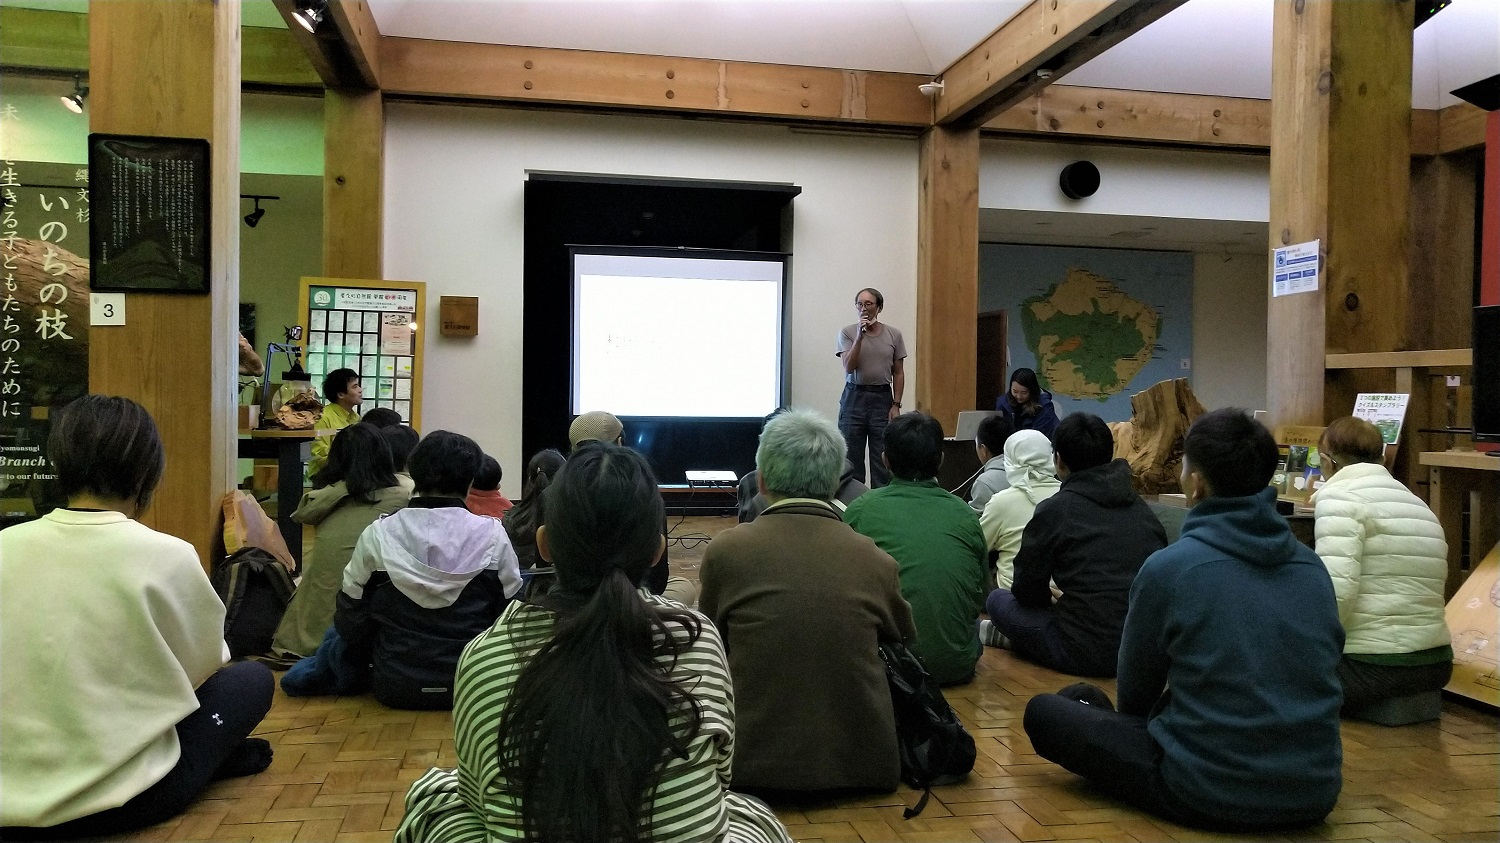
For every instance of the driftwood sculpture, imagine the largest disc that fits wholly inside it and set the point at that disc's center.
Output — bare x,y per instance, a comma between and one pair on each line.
1152,440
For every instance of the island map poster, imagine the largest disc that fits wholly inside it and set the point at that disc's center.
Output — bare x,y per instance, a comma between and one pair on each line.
1097,325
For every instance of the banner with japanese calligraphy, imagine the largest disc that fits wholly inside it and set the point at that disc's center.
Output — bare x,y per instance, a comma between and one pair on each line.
44,246
150,225
372,328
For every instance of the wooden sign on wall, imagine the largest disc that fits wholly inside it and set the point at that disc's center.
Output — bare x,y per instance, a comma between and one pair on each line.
459,316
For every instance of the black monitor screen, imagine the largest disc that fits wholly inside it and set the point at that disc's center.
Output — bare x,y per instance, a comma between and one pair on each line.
1487,373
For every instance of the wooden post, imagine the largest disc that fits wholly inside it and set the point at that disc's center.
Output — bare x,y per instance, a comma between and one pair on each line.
353,163
1340,173
172,68
947,273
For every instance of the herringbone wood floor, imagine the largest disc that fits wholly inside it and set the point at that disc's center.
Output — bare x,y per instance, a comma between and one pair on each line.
343,766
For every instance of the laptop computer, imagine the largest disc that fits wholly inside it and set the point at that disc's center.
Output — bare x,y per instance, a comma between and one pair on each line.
968,423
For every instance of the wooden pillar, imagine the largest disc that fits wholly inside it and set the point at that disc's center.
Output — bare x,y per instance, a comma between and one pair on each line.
947,273
353,162
172,68
1340,173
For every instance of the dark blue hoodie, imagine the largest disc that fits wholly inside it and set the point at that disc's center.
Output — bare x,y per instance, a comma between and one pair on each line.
1238,619
1044,421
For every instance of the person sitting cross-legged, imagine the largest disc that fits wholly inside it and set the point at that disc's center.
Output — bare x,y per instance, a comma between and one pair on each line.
420,585
803,602
116,707
1228,672
935,538
1089,539
598,712
1032,474
989,446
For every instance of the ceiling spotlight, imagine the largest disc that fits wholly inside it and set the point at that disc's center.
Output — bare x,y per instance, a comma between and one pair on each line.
252,219
74,101
309,13
931,89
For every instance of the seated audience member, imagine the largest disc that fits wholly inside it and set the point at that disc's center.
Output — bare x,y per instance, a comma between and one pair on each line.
989,444
753,503
355,487
118,710
381,417
1229,697
484,496
342,390
1026,405
528,513
935,538
803,602
1090,538
420,585
599,426
402,440
1032,475
599,712
1385,551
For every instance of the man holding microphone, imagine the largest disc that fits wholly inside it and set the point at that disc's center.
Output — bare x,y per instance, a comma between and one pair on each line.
874,377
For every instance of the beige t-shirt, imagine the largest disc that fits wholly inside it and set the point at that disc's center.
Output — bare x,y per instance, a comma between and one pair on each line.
877,355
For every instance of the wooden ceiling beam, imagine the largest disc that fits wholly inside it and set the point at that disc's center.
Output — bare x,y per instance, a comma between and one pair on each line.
1039,44
447,69
1460,127
1139,116
344,50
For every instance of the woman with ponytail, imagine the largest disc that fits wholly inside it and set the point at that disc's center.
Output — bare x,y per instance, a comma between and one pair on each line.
599,712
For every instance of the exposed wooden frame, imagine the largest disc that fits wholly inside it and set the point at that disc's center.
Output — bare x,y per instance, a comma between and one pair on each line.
422,68
1040,43
344,51
1109,114
1460,127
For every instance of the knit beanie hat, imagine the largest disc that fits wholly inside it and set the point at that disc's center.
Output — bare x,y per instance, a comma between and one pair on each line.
594,425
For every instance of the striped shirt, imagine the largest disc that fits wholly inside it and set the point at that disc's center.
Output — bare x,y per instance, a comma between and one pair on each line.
691,802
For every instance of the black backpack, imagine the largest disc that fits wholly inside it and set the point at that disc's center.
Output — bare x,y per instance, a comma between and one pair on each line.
256,589
935,748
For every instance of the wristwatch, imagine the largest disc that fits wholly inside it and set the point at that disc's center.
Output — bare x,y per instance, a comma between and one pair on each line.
895,403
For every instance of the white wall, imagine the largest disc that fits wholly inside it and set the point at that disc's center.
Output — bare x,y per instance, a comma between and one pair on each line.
1229,329
453,218
1022,175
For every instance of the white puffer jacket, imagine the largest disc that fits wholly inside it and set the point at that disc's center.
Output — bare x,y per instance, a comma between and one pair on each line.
1385,551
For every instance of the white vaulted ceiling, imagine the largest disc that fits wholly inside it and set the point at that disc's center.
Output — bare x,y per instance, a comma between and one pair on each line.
1217,47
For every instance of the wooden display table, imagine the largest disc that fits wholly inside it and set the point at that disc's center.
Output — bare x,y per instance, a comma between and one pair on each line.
291,449
1456,476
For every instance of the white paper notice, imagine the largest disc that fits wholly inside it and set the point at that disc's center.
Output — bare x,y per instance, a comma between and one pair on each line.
1294,269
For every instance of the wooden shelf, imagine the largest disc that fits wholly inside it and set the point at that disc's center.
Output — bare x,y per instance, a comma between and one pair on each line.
1460,459
1435,358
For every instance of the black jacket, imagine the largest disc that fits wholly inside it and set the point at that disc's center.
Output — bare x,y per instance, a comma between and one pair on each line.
1090,538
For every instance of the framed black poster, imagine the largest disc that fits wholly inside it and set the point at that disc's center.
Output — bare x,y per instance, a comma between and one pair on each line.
149,227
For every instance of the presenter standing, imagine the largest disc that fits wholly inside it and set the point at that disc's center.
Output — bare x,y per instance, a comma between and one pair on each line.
874,358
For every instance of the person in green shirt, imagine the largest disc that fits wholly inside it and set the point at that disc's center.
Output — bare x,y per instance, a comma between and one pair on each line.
935,538
343,391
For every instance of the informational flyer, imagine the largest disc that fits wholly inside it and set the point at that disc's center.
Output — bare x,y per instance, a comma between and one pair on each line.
1294,268
1385,410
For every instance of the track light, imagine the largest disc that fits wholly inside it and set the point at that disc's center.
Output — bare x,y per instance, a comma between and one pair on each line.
309,13
932,88
252,219
74,101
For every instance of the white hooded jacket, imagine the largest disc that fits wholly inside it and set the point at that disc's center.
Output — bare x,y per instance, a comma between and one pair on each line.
1033,479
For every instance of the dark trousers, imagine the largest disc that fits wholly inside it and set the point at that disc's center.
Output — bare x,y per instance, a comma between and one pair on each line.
863,416
1033,636
231,703
1115,752
1366,684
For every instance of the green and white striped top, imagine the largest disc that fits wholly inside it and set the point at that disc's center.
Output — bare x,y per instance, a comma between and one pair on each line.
692,801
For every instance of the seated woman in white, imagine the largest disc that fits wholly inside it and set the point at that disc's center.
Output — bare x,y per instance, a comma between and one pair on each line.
615,706
1389,562
117,710
1033,478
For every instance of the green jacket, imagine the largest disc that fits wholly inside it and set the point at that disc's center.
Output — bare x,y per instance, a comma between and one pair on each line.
935,538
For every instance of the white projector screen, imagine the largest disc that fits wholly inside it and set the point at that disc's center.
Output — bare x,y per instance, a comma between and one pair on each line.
677,336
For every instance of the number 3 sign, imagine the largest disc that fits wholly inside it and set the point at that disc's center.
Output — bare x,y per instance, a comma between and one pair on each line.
106,308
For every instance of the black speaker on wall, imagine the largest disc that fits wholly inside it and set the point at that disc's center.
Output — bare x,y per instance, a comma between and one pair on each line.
1079,179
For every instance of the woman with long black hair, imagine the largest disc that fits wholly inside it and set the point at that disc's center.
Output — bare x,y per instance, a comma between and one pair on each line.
600,712
1026,405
